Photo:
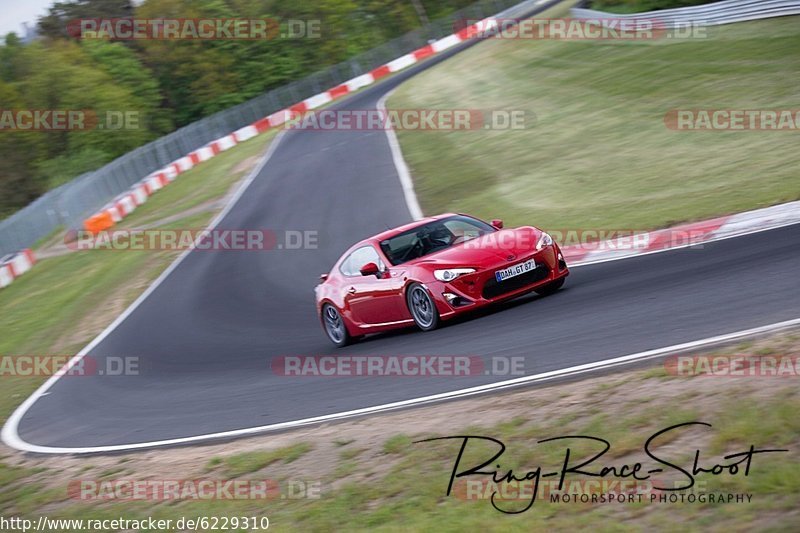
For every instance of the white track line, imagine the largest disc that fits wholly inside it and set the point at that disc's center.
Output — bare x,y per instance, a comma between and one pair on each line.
12,439
400,163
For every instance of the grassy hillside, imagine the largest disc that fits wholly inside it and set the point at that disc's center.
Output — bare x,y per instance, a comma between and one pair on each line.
599,154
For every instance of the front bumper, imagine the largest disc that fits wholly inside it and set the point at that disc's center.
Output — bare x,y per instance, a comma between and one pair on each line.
481,288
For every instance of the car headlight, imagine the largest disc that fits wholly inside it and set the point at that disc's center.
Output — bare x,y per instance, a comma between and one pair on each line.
449,274
544,240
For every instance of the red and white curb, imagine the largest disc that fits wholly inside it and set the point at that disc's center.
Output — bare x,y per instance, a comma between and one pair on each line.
15,265
685,235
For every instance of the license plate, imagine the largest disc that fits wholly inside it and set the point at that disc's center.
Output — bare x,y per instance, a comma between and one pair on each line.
515,270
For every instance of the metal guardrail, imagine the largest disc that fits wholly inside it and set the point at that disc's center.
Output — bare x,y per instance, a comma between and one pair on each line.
726,12
66,206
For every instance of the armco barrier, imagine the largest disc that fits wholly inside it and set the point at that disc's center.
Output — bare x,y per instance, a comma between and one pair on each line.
726,12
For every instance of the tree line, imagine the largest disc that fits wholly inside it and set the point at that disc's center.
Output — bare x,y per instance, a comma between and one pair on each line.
165,83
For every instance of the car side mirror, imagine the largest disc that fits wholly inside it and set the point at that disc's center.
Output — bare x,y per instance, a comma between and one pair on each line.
497,223
323,278
370,269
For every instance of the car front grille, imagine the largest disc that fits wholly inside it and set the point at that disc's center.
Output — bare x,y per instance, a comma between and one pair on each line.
492,288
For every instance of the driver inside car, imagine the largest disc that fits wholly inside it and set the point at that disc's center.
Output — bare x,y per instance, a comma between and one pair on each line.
438,237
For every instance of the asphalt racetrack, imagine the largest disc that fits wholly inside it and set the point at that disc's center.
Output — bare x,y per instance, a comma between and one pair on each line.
207,335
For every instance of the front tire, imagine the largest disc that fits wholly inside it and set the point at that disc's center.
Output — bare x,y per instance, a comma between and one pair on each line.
422,307
333,324
550,288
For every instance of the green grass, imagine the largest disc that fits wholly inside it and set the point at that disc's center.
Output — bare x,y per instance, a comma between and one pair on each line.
350,453
85,291
396,444
211,180
599,155
247,462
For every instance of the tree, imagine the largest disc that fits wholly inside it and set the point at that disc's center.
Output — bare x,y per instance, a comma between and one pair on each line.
11,66
18,185
128,71
54,24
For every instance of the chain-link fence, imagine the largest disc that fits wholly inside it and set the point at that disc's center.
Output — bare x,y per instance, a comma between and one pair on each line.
67,205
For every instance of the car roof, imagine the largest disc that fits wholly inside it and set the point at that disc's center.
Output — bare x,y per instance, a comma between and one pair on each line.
405,227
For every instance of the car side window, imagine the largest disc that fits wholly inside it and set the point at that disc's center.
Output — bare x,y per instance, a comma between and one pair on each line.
344,267
360,257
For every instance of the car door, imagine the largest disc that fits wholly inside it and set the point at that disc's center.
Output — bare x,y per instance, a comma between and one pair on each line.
371,299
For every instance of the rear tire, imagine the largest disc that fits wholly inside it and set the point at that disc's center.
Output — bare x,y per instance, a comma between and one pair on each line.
422,307
333,324
551,288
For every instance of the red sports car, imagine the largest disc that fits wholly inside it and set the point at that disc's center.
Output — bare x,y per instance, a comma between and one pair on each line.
431,270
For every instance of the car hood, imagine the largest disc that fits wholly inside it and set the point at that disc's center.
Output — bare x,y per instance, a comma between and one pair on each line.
504,246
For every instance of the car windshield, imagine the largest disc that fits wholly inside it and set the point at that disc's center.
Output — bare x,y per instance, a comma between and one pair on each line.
433,237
